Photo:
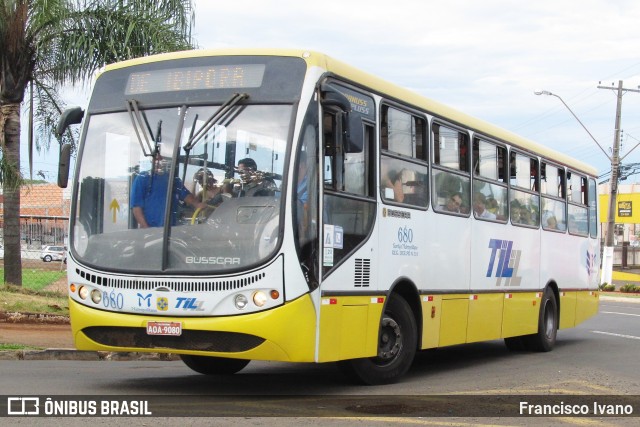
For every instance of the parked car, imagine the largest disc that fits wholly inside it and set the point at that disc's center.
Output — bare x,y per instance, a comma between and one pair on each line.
53,253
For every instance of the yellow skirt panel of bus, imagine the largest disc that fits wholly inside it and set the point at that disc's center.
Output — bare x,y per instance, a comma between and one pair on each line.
349,327
587,303
285,333
453,323
520,313
485,317
567,309
431,318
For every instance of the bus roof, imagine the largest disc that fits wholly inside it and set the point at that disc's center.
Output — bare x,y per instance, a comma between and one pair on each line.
383,87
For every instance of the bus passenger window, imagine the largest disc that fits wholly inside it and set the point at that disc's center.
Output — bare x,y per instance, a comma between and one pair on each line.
403,182
403,176
524,198
525,208
553,197
489,186
451,192
578,214
450,170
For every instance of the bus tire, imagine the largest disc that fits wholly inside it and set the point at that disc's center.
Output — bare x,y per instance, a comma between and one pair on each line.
208,365
397,344
545,338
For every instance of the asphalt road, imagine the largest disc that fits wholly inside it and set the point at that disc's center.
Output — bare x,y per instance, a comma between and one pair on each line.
595,361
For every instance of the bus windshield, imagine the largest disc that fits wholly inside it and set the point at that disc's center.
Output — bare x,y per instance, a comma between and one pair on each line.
220,180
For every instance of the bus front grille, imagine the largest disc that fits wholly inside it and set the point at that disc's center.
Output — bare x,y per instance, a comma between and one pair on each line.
228,342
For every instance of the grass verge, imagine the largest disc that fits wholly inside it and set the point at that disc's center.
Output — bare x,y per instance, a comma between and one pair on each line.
620,294
37,279
4,347
26,300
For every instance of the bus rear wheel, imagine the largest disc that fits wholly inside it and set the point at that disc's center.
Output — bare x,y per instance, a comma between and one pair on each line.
208,365
397,345
545,338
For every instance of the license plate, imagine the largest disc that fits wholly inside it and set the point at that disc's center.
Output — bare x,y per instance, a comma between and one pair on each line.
164,328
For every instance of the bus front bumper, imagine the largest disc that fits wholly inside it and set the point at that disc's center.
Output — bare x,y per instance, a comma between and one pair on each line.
285,333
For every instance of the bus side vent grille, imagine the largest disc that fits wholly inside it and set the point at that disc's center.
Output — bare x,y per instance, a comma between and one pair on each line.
363,273
177,286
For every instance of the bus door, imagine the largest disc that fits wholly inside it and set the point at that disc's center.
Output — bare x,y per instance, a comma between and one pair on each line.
348,213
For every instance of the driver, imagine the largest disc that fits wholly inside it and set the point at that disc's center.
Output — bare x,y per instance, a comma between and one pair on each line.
149,193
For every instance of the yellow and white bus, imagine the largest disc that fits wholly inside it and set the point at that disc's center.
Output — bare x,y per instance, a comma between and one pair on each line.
317,214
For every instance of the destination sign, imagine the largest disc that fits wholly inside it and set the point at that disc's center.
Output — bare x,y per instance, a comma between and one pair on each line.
195,78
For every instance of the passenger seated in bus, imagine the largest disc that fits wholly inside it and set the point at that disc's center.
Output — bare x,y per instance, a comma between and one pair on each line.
527,217
479,207
515,213
392,185
549,222
149,193
492,205
453,204
247,166
519,213
207,182
255,183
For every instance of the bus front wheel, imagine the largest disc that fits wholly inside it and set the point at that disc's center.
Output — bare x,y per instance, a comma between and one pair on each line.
397,344
213,365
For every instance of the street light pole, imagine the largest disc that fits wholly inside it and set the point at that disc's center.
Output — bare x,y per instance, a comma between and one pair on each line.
607,255
546,92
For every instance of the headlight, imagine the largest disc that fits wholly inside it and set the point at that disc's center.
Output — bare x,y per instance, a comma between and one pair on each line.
83,292
259,298
96,296
240,301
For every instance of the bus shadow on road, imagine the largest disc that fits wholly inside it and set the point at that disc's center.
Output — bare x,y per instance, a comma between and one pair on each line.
280,378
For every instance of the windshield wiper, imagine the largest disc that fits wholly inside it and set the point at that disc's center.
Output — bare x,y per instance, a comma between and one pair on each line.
220,114
138,122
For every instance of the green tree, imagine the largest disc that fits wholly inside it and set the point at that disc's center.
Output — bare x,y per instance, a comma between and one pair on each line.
46,44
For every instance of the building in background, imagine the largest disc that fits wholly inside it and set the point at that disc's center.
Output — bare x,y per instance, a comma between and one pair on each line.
44,214
627,229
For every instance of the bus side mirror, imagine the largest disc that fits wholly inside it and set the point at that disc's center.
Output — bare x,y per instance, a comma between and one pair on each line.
351,123
70,116
63,165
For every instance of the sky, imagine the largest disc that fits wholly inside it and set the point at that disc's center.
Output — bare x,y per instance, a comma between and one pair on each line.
485,58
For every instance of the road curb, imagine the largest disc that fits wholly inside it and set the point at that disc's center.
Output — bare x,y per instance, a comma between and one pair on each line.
630,299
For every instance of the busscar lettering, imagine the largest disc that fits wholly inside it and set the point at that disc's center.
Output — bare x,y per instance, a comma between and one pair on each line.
219,260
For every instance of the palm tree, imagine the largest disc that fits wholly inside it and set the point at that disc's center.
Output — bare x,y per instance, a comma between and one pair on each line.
45,44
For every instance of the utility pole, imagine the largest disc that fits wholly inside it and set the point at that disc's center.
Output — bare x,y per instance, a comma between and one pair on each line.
607,256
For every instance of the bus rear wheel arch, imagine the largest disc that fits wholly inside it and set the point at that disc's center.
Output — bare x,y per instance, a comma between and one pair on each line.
548,320
209,365
397,345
